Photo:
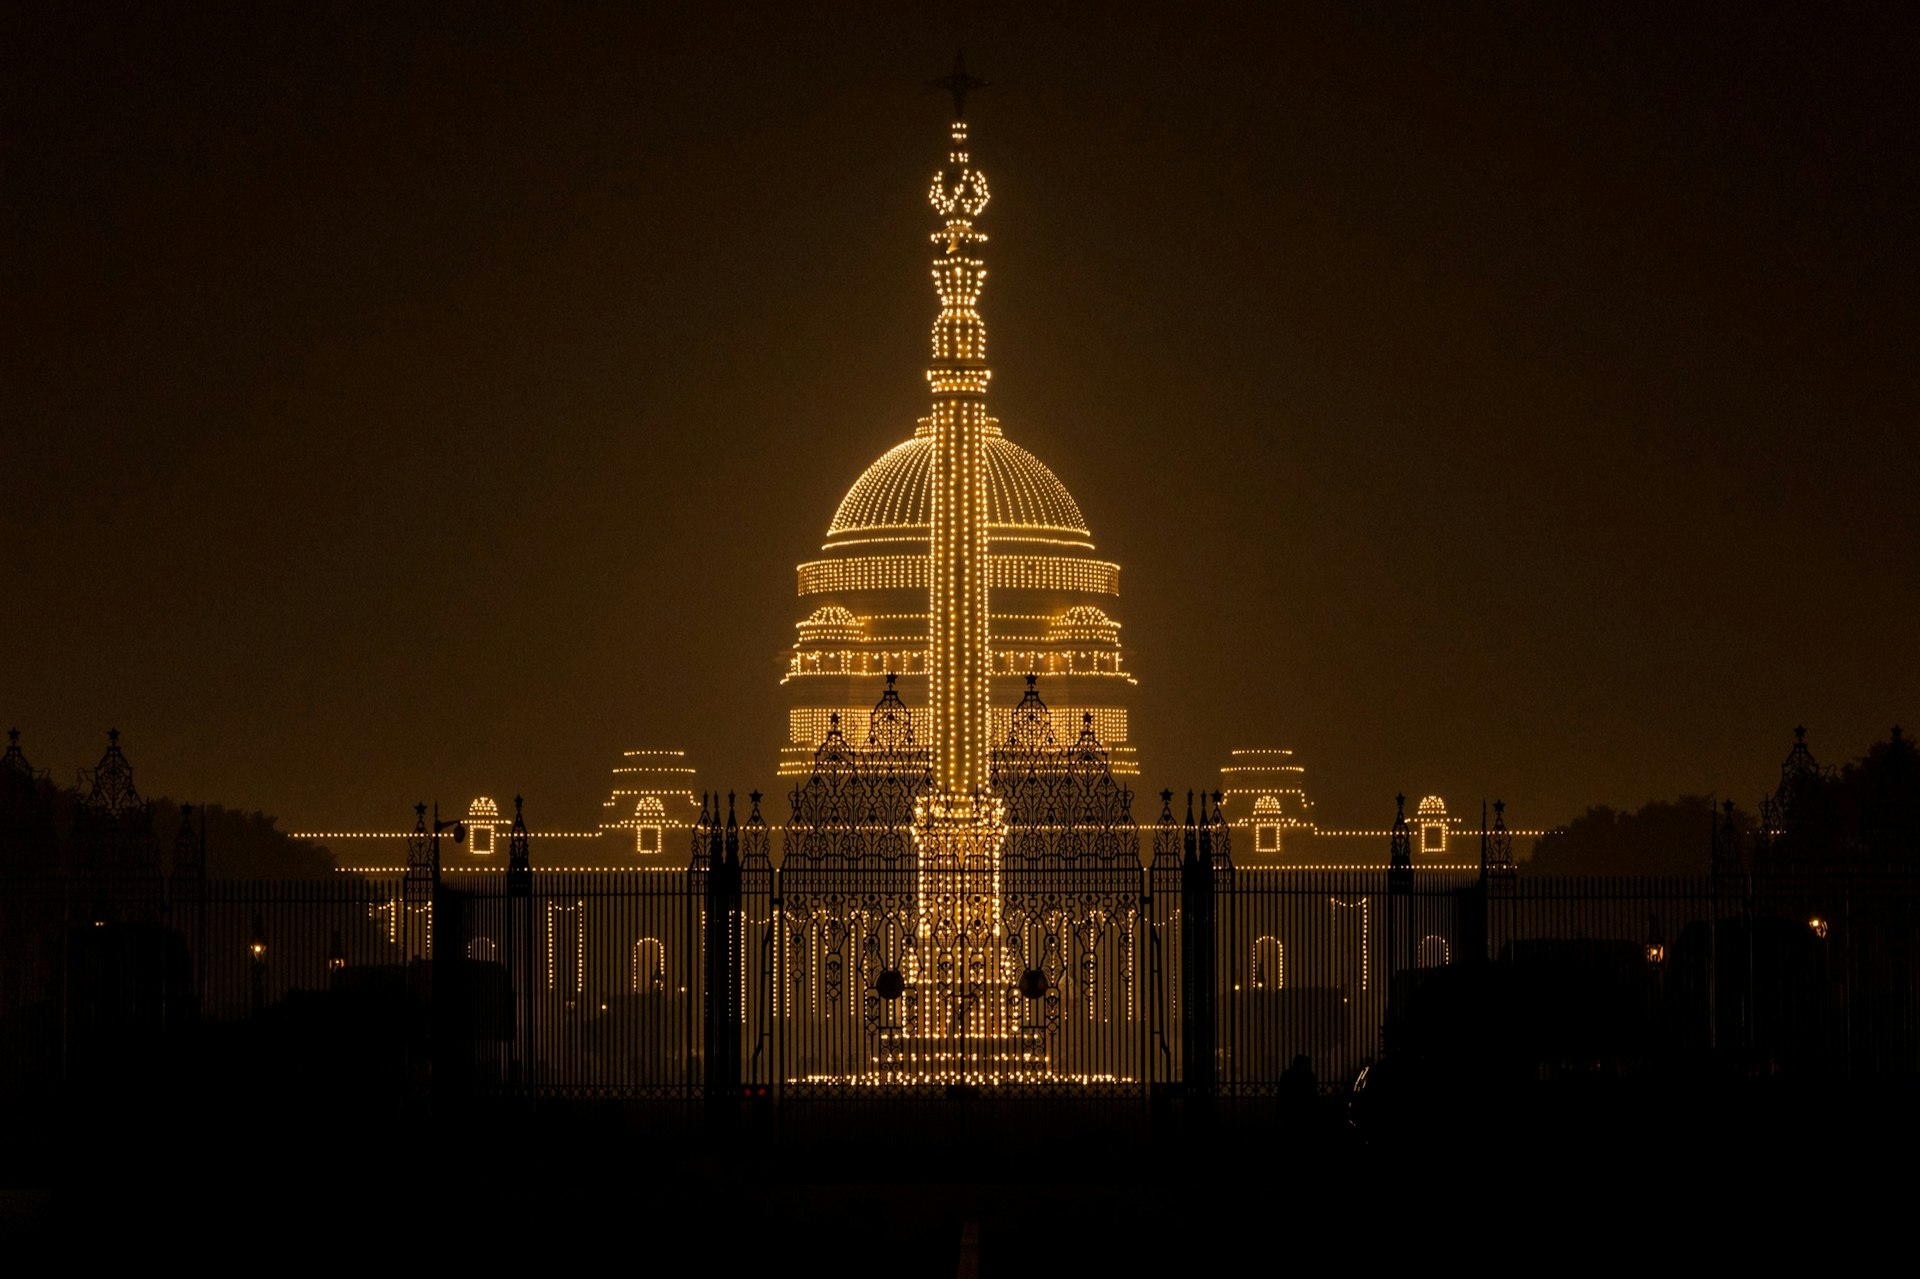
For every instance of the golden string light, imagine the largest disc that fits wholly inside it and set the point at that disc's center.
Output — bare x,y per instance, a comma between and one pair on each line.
911,573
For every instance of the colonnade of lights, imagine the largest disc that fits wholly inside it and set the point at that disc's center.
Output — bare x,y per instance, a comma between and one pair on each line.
912,572
870,662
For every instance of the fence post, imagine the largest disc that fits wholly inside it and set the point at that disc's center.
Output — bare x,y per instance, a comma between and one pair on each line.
1221,889
520,942
1199,1005
721,966
417,892
1162,910
1399,904
187,917
757,886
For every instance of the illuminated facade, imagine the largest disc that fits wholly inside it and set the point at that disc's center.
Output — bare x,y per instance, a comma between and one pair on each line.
956,889
957,561
652,809
1272,819
646,823
955,568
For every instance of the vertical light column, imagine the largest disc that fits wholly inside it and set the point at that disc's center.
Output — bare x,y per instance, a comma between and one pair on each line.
958,638
964,999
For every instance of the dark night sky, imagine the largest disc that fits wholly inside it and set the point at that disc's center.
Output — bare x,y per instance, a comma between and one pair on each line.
426,400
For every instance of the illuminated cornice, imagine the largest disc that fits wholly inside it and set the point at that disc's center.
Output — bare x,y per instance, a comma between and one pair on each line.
912,573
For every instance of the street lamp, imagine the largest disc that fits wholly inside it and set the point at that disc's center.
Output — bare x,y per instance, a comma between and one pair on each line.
257,965
458,827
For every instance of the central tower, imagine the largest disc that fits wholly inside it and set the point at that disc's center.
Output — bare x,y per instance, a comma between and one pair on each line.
959,569
959,628
961,826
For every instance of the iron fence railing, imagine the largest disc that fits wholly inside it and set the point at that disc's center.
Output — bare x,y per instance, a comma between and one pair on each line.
828,979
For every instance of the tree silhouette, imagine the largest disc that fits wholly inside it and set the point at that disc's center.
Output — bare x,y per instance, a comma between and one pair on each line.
1661,837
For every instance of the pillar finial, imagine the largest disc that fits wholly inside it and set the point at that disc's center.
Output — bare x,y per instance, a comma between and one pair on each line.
959,84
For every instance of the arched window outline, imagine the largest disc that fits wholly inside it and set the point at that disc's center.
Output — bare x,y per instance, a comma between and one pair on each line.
649,966
1269,963
1426,950
1364,906
483,949
561,915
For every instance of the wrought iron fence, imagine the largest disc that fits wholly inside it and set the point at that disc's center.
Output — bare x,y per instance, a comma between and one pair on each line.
1118,977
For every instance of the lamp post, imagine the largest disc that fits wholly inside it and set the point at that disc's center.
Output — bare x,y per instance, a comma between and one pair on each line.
459,829
1656,952
257,966
1819,925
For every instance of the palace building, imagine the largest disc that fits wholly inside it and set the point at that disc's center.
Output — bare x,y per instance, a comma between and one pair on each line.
956,570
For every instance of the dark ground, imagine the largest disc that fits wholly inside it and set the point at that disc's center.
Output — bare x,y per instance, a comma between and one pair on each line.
1761,1170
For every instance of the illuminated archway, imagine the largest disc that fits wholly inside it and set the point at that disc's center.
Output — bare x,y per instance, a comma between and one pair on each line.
1269,963
649,966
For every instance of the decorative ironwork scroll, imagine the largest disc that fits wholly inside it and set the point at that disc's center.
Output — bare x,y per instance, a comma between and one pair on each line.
846,925
891,970
1070,872
113,825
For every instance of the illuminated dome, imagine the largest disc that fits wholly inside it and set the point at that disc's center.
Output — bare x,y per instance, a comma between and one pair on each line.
831,622
1025,500
866,598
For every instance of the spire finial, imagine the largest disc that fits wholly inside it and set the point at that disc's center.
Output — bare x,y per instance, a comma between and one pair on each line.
959,84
